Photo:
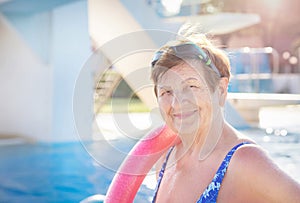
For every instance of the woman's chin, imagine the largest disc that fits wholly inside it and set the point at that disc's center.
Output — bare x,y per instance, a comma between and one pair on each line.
187,126
188,130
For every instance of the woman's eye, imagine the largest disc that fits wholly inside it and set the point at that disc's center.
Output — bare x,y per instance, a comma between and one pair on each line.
194,86
165,92
169,92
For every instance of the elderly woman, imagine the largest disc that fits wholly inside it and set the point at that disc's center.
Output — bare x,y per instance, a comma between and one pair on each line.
213,162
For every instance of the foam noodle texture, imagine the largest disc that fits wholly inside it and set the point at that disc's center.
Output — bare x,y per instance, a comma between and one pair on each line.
138,163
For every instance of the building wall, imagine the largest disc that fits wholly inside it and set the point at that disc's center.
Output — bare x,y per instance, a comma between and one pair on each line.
70,51
25,87
42,54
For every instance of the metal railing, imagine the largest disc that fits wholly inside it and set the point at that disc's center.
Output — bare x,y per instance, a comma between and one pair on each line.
253,65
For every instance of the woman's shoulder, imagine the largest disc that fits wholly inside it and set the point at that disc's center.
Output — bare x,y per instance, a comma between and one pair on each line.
256,173
251,158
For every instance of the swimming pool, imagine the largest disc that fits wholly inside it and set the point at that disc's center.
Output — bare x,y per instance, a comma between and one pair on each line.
66,172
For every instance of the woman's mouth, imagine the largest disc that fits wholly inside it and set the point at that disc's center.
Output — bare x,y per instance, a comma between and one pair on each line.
184,114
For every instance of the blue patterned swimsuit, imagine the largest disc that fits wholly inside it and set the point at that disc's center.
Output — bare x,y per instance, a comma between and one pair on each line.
210,195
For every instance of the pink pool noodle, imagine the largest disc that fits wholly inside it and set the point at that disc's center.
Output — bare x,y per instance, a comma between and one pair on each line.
138,163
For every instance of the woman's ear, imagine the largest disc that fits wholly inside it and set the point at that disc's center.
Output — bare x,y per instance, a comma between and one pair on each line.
223,85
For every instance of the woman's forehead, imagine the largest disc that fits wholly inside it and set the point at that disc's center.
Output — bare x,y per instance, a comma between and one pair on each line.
181,73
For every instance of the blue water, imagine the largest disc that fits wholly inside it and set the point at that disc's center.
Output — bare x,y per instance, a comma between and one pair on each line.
57,173
66,172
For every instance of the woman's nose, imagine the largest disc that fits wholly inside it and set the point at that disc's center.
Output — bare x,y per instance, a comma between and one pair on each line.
174,102
179,98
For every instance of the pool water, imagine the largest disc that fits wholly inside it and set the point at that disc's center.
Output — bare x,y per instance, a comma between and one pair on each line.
57,173
67,172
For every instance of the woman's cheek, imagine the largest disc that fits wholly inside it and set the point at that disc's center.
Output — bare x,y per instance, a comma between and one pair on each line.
164,108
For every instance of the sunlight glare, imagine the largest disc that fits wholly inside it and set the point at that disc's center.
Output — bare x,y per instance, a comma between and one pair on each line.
172,6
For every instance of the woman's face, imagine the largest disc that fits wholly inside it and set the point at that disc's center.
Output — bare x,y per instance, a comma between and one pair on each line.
184,99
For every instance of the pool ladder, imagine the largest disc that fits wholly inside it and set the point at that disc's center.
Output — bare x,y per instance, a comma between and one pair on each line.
105,87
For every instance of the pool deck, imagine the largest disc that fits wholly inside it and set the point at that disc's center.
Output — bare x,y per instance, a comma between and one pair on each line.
249,105
9,139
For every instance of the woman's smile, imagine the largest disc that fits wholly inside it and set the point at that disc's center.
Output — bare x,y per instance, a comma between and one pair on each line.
184,114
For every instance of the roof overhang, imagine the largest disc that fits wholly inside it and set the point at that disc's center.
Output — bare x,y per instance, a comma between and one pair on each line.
220,23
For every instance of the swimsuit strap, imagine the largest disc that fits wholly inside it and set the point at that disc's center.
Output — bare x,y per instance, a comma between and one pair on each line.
210,195
161,173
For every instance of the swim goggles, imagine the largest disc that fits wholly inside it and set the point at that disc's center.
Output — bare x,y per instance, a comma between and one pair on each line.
187,50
